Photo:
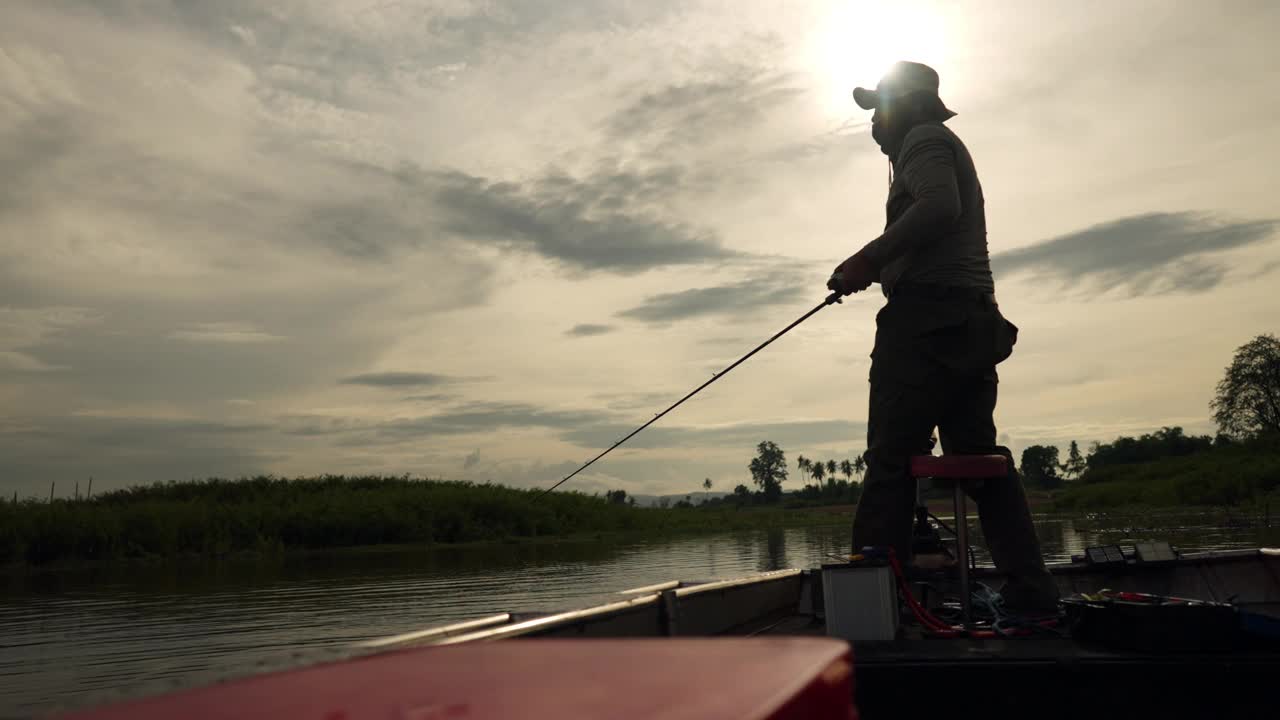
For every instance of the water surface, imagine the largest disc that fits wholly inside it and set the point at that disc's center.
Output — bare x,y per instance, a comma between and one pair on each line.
68,638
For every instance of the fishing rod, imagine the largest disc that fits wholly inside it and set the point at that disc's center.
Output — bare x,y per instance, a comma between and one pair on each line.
833,298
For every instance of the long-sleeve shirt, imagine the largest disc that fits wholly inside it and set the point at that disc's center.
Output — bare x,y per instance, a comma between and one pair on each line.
936,226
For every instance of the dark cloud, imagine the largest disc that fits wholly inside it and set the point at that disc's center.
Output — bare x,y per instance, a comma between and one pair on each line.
470,418
1144,254
131,358
597,224
397,379
736,299
585,428
119,451
587,330
431,397
611,219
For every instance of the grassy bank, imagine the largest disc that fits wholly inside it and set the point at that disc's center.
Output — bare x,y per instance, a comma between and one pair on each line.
220,517
1227,476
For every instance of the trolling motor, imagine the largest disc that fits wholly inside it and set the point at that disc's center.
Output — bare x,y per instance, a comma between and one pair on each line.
832,299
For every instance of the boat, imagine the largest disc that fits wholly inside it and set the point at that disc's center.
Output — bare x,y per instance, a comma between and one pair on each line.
1098,660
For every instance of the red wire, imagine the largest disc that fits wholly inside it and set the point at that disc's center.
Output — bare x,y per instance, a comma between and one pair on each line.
937,626
926,618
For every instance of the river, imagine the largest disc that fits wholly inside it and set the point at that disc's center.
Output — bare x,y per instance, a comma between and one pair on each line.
71,637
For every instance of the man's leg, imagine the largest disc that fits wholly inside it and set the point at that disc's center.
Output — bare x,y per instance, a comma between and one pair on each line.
900,420
967,427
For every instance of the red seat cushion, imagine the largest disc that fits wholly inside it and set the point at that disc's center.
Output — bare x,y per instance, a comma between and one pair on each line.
959,467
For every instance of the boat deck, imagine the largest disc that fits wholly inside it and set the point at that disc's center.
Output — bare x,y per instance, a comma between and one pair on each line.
1046,676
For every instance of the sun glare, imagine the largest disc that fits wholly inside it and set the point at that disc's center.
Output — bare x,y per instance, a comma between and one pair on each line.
855,41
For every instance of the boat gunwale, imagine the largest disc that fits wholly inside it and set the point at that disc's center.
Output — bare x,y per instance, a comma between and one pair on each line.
547,622
436,631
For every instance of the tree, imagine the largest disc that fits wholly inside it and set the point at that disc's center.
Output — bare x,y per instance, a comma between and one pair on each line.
1247,402
846,469
1075,462
819,471
742,491
616,497
859,466
706,484
769,470
1040,467
831,470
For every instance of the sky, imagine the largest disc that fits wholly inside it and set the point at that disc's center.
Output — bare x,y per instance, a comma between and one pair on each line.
482,240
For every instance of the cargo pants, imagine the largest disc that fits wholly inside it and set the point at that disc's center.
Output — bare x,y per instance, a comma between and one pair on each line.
933,366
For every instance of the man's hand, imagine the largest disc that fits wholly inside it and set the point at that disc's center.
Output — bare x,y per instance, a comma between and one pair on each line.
853,275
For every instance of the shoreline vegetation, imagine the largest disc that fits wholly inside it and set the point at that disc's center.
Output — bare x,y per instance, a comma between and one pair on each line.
1223,475
219,518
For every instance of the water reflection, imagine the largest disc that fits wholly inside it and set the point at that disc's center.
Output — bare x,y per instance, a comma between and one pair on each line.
68,636
775,550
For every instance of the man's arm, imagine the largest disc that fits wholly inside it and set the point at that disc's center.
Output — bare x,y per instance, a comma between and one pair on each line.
929,172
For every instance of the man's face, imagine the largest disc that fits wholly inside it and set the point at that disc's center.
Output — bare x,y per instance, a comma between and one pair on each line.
882,126
889,123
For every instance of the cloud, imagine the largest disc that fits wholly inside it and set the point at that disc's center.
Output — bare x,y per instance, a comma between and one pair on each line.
224,332
591,429
691,113
837,144
1145,254
627,401
24,331
800,433
118,450
735,299
476,417
430,397
22,362
587,330
398,379
596,224
471,460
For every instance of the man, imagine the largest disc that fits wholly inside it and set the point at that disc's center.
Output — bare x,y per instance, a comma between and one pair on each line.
940,335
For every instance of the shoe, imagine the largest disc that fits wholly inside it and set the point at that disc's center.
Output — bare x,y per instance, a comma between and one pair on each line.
1027,602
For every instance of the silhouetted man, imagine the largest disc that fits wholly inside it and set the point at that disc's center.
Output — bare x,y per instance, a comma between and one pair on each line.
940,335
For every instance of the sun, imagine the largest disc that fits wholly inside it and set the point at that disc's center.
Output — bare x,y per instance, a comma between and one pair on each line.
855,41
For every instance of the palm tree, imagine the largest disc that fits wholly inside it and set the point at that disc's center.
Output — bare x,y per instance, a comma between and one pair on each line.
831,470
819,471
859,466
846,469
706,484
803,463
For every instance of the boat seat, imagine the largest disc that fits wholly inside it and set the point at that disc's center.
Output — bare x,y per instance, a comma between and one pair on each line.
962,472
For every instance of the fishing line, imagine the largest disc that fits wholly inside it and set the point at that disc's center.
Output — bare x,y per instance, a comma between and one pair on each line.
833,298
